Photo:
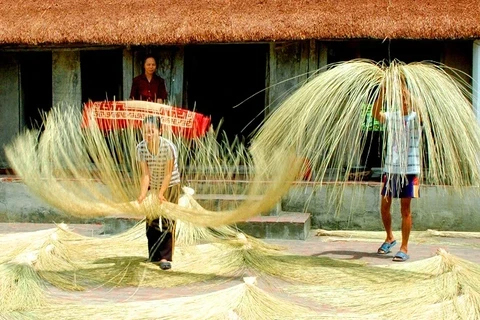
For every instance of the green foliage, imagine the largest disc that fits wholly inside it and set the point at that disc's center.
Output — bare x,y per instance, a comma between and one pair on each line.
370,123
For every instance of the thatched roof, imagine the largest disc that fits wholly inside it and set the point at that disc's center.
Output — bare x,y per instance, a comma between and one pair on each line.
138,22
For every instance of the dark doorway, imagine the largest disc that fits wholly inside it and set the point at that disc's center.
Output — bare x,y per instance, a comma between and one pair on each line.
36,82
101,75
220,77
404,50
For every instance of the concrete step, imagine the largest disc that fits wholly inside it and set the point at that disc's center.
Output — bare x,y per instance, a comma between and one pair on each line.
285,225
220,202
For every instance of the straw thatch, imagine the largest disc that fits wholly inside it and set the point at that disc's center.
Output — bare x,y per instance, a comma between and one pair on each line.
121,22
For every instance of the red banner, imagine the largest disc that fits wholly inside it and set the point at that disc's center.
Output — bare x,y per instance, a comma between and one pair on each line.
111,115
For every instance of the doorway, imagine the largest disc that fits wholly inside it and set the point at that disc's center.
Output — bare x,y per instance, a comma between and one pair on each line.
226,83
101,75
36,83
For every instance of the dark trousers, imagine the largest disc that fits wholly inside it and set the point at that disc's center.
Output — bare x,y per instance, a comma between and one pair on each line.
161,241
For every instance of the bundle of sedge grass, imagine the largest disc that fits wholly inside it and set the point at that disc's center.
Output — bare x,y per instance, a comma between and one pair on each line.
440,287
79,171
13,244
21,287
324,121
241,301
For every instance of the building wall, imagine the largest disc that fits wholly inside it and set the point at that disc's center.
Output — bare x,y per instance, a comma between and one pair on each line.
11,120
357,209
66,78
289,65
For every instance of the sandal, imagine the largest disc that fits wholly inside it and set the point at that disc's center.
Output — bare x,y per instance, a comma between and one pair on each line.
385,247
400,256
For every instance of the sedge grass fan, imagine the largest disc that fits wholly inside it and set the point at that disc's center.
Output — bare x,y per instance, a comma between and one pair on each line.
241,301
442,287
76,171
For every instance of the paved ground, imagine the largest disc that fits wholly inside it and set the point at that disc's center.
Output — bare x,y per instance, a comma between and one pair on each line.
346,248
350,249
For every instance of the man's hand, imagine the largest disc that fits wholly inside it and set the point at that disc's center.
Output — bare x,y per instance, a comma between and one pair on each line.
140,199
161,197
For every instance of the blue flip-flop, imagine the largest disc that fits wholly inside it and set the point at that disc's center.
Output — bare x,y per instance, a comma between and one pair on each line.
385,247
400,256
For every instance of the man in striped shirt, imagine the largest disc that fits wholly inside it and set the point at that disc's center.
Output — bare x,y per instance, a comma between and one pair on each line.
158,162
401,167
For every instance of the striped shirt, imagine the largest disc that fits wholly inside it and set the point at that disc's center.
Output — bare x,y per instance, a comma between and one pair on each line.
158,163
403,139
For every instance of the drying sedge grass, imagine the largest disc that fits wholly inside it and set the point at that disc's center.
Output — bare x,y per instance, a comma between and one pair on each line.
74,262
85,173
80,171
426,237
20,287
13,244
444,286
381,235
324,120
353,234
242,301
453,234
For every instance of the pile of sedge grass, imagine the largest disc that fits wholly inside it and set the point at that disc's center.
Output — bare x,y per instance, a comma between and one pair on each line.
73,262
241,301
443,287
21,287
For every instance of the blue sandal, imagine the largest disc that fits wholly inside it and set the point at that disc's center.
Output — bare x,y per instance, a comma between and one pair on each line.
400,256
385,247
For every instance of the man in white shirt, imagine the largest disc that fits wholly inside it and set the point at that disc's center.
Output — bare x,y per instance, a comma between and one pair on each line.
402,167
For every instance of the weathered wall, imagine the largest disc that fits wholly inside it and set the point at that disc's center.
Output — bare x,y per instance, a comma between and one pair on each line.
289,64
11,119
66,78
127,73
459,55
437,208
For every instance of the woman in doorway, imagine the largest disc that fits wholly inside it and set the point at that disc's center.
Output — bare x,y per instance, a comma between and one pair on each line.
149,86
160,175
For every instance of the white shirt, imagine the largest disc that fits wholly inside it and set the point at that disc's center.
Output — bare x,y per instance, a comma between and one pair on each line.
403,140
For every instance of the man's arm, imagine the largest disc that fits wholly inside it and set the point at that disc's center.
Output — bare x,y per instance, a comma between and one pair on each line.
144,181
166,180
377,112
